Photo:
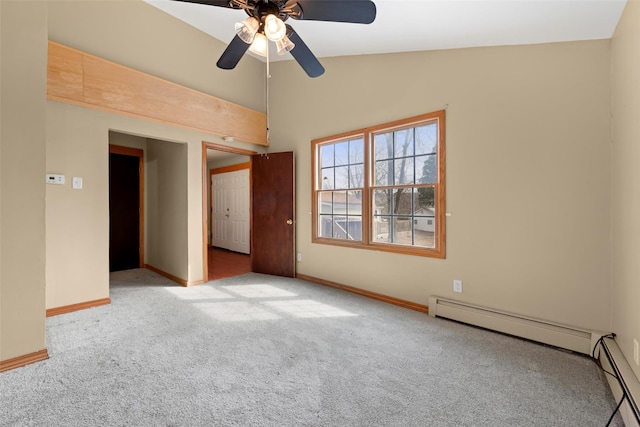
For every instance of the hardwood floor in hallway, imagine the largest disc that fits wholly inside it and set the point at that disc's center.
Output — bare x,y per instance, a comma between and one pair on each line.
224,263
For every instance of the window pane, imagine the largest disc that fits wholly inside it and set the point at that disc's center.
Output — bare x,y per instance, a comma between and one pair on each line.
403,171
383,172
382,202
354,202
425,201
381,229
326,155
340,215
327,179
325,227
354,226
342,153
403,143
325,203
356,176
339,227
426,169
402,201
356,151
339,202
402,231
424,229
342,177
383,146
426,139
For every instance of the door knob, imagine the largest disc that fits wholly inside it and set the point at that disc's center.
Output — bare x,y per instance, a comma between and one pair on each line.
289,221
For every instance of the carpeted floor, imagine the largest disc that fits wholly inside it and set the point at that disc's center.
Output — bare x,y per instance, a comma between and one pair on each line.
257,350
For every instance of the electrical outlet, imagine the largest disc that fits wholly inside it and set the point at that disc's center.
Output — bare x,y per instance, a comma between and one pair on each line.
299,257
636,356
457,286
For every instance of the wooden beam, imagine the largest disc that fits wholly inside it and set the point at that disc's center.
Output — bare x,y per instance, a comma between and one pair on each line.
79,78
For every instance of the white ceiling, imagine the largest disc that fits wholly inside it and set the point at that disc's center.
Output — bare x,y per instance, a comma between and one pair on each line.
415,25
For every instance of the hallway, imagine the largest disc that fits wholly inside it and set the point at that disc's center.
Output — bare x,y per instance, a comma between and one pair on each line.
224,263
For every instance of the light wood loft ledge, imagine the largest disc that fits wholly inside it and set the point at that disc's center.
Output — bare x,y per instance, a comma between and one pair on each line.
78,78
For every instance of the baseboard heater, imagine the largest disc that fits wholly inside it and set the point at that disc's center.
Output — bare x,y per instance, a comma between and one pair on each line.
558,335
624,384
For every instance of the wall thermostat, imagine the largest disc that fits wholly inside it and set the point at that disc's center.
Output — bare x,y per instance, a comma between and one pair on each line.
55,178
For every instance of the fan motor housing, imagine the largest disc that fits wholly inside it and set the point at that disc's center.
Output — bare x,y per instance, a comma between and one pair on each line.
261,9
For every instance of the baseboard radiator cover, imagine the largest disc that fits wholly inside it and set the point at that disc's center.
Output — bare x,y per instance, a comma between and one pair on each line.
625,382
563,336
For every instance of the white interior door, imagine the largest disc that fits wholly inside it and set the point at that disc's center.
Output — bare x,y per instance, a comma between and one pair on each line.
230,210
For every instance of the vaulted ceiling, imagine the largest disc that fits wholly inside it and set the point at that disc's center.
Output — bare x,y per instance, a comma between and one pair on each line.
415,25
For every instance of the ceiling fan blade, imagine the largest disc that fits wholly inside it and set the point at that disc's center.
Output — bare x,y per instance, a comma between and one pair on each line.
219,3
303,55
355,11
232,54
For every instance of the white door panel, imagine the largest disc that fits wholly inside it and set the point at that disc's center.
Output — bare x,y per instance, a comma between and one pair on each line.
230,195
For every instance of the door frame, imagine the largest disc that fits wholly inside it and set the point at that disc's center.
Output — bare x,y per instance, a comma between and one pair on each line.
205,205
135,152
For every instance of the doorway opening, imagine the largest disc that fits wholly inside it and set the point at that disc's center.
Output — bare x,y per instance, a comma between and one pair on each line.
126,208
226,211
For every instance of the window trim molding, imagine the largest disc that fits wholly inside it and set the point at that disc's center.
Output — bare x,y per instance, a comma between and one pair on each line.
440,188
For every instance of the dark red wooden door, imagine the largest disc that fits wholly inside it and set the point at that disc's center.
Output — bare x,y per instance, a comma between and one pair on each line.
272,214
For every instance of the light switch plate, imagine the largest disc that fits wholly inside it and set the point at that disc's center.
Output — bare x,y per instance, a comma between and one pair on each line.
77,183
457,286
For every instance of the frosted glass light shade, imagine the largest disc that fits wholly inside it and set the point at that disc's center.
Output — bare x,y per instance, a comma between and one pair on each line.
274,28
247,29
259,45
284,45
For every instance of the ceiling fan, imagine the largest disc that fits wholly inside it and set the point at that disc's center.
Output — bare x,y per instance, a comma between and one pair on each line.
266,22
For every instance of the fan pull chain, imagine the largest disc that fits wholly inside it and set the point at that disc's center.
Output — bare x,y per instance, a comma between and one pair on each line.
266,96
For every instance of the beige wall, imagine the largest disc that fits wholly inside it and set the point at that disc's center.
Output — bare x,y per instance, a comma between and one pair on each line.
528,174
625,196
23,41
166,245
136,35
126,140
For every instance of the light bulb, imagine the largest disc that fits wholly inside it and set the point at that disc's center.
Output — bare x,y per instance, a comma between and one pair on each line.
247,29
274,28
259,45
284,45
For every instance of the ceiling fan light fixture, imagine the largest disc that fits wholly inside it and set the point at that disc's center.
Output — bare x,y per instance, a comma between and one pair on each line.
259,45
274,28
266,22
247,29
284,45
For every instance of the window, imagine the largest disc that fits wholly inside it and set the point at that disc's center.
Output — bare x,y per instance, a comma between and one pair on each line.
382,187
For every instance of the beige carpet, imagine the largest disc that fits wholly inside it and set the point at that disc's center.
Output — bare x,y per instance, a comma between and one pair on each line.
257,350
